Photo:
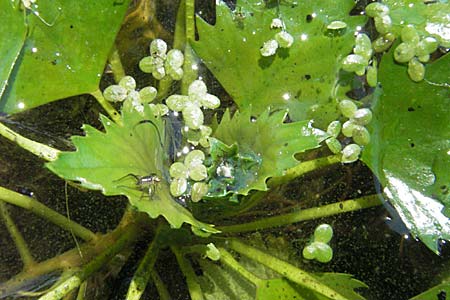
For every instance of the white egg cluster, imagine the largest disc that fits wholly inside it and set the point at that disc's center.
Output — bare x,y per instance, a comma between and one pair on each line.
192,168
361,60
353,128
281,39
160,62
126,91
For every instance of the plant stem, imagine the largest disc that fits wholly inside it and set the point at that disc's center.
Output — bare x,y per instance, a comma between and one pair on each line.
190,21
285,269
160,286
306,214
116,65
17,237
82,291
71,259
142,274
93,266
304,167
301,169
38,149
194,288
229,260
114,115
43,211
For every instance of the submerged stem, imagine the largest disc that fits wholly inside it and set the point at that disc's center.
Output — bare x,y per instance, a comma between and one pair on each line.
38,149
116,65
94,265
143,273
306,214
285,269
21,245
114,115
229,260
45,212
195,290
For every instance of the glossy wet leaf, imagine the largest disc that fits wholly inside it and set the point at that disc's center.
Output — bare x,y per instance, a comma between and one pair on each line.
61,59
252,150
427,18
409,148
103,161
302,77
12,25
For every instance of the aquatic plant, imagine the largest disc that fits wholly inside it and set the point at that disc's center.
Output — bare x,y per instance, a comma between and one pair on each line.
194,167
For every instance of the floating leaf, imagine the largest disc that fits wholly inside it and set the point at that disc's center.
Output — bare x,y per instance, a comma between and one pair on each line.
62,58
428,18
104,160
305,74
254,149
437,292
409,151
12,25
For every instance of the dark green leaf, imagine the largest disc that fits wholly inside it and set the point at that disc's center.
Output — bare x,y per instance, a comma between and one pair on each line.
301,78
64,52
410,146
104,160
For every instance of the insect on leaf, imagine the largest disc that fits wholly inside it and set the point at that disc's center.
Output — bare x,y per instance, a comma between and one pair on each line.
103,161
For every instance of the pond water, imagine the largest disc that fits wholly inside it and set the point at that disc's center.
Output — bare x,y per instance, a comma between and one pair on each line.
373,245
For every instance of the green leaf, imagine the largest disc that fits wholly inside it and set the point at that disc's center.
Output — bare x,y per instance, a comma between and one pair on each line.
104,160
302,77
434,292
12,25
410,143
427,18
62,58
260,148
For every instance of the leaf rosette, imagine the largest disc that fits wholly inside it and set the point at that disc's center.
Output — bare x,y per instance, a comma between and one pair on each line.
246,151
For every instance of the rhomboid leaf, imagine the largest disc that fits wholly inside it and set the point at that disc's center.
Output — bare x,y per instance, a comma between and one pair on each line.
303,77
409,151
113,160
247,150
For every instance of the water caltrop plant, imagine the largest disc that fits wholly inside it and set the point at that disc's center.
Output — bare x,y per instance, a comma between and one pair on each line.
213,122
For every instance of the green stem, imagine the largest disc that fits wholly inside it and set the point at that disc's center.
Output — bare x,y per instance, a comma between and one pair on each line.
142,274
94,265
82,291
71,259
38,149
43,211
160,286
190,21
285,269
229,260
195,290
303,168
306,214
292,173
110,110
17,237
116,65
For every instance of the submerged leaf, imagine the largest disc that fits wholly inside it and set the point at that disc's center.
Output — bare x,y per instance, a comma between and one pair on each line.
246,151
113,161
305,74
409,151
